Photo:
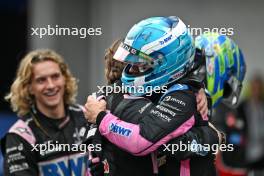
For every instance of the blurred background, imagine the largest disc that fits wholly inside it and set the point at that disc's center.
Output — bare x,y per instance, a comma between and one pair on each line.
115,18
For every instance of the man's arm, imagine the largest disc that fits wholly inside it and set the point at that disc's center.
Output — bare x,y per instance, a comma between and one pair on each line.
19,159
199,141
170,118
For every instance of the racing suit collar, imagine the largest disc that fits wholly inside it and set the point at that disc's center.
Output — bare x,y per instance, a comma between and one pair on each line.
49,122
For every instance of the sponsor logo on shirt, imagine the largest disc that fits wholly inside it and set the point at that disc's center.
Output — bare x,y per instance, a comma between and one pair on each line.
172,99
18,167
160,115
68,165
120,130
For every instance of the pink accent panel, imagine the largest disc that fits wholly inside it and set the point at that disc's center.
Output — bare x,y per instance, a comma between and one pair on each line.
22,129
83,108
132,143
95,160
185,168
186,126
88,173
101,97
205,118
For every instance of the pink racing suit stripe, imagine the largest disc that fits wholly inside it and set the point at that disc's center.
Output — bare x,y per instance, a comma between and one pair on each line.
185,168
186,126
134,143
23,130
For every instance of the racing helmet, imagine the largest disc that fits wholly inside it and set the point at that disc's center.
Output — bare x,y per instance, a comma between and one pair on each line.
162,51
225,67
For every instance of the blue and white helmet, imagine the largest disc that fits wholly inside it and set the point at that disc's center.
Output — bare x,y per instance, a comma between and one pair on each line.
161,48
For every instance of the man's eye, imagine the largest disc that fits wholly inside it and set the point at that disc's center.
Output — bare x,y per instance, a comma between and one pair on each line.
55,76
40,80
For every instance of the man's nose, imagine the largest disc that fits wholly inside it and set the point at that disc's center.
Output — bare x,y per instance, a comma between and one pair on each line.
50,83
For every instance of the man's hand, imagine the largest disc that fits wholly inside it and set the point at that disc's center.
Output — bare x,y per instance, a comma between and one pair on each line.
202,103
93,107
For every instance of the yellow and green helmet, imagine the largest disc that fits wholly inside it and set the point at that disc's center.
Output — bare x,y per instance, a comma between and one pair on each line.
225,67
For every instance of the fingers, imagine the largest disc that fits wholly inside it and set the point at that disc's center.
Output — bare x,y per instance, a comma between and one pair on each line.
204,110
93,107
102,102
90,98
202,103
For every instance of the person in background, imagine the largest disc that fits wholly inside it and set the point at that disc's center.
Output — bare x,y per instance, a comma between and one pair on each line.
43,96
252,111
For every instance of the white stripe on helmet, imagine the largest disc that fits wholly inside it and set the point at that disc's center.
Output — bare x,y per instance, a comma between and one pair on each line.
165,40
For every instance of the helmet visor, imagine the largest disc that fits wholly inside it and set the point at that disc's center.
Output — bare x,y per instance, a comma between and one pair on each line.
136,70
128,54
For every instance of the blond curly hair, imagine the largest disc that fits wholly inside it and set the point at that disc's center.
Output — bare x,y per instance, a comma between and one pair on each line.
19,96
113,68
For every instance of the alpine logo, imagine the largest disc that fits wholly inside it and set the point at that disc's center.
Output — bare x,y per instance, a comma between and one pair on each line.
165,40
118,129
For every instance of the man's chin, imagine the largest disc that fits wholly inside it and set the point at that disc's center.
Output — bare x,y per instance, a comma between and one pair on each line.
52,104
